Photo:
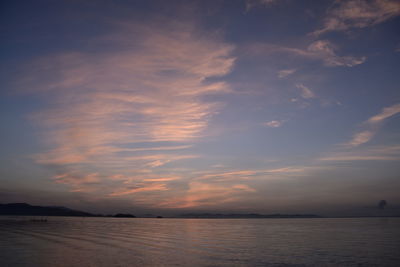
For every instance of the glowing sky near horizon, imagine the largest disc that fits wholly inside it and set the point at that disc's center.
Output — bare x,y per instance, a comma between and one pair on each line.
247,105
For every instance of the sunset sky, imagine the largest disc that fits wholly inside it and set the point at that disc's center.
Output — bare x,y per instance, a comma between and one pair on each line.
203,106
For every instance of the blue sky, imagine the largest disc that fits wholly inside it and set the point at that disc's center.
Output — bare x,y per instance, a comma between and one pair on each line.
240,106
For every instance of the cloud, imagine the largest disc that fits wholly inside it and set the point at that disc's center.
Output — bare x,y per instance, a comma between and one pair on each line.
285,73
274,124
228,176
342,157
353,149
322,50
162,179
202,194
243,175
379,153
345,15
140,188
306,92
386,113
115,111
325,50
79,182
216,188
372,126
362,137
243,187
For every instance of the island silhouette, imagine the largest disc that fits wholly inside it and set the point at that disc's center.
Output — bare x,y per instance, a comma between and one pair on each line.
25,209
30,210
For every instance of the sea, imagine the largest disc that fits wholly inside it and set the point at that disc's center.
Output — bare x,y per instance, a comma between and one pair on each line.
78,241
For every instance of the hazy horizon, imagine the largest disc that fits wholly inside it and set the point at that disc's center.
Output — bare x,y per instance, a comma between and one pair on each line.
170,107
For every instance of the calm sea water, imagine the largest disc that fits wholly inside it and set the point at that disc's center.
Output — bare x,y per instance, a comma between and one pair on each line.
200,242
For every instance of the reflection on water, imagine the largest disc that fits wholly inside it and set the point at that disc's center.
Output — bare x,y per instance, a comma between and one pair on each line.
200,242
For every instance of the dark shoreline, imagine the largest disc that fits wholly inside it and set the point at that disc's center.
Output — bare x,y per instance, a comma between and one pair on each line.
24,209
200,218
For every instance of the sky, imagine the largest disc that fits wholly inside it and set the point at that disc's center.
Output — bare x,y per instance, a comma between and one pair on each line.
267,106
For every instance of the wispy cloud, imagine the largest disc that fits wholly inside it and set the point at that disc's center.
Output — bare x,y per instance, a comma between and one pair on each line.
200,195
353,149
377,153
286,72
243,175
139,188
344,15
244,187
372,126
306,92
115,111
362,137
274,124
325,50
79,182
322,50
216,188
386,113
204,189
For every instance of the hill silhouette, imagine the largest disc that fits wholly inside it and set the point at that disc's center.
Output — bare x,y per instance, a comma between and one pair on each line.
26,209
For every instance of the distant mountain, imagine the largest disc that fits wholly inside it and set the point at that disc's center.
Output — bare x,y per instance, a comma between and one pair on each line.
26,209
251,215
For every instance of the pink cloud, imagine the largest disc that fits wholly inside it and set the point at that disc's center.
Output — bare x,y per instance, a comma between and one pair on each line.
372,126
141,188
111,111
150,93
345,15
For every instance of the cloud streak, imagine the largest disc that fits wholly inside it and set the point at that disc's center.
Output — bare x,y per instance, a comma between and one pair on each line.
372,126
377,153
325,50
285,73
321,50
274,124
237,187
345,15
306,92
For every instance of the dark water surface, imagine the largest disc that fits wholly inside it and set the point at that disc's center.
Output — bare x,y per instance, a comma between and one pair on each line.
199,242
